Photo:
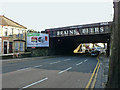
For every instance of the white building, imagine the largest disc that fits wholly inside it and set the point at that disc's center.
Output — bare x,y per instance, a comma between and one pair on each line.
12,36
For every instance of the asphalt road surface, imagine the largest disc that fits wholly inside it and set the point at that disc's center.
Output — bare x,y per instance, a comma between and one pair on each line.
59,72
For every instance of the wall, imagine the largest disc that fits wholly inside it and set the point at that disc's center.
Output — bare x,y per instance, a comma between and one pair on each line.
43,51
114,67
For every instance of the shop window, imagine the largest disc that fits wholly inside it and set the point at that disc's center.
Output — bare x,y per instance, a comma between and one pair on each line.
16,46
21,46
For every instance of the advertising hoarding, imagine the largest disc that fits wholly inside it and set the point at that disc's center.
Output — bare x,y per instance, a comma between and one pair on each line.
37,40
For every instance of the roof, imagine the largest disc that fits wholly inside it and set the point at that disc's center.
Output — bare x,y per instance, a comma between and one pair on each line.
8,22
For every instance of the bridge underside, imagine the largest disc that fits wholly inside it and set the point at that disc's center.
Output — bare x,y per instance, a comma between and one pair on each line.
66,45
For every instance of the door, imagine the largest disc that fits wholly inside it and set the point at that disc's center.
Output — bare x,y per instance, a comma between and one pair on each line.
10,47
5,47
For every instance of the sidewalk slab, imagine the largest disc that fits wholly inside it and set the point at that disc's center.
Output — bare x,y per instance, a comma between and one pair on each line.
103,72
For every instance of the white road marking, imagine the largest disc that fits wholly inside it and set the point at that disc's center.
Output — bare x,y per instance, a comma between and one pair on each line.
85,60
38,66
23,69
79,63
67,59
55,62
34,83
65,70
29,68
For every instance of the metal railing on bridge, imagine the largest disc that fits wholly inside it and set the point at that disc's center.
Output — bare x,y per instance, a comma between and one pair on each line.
88,29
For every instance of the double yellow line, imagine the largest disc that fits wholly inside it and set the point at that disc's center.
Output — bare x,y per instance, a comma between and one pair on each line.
92,80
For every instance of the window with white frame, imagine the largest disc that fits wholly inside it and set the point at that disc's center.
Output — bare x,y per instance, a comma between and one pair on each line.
17,33
11,32
21,34
5,32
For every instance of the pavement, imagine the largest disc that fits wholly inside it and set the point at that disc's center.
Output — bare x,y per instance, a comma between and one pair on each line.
58,72
25,59
103,72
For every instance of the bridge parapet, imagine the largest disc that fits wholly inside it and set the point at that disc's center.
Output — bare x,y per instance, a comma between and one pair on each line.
88,29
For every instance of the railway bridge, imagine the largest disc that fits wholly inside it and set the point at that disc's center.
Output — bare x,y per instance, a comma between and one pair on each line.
64,40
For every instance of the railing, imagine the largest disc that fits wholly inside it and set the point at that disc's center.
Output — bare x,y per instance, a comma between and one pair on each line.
80,31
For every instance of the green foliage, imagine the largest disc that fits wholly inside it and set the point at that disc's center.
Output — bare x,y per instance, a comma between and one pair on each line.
32,31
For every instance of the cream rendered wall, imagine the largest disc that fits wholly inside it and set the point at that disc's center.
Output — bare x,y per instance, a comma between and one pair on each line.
11,39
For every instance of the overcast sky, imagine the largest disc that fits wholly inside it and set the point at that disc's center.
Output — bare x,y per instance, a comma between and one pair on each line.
39,15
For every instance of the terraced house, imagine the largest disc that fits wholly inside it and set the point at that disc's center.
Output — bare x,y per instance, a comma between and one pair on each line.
12,36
